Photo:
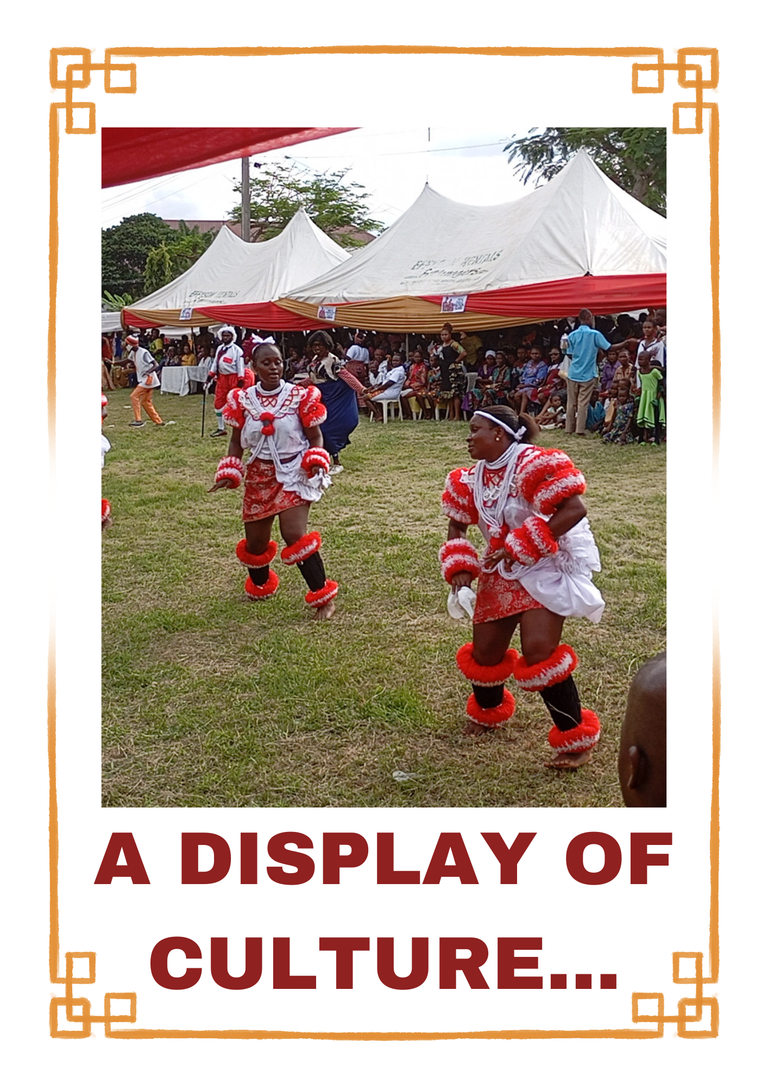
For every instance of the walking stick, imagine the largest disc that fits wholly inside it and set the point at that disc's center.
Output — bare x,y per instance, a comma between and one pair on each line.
202,424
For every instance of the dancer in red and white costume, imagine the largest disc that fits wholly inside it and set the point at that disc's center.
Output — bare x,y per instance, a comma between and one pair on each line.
106,508
228,370
536,570
287,471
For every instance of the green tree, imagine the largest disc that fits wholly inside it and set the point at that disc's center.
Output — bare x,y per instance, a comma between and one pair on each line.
116,302
124,251
634,158
280,189
168,260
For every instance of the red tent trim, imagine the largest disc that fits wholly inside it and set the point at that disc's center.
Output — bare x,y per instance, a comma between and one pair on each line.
565,297
263,315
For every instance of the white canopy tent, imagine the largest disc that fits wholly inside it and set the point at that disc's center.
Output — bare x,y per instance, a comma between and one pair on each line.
580,223
235,272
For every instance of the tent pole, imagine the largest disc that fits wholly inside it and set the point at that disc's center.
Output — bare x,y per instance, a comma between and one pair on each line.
245,195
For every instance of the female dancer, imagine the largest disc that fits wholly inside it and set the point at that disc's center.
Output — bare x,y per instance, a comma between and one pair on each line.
535,571
288,469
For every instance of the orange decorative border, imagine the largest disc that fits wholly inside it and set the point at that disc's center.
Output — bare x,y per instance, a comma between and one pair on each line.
687,119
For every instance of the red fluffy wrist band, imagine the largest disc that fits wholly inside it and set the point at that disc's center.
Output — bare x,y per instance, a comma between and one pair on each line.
232,469
532,541
315,457
458,556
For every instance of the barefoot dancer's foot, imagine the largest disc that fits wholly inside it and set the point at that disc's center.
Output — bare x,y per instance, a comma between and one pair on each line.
327,611
471,728
570,760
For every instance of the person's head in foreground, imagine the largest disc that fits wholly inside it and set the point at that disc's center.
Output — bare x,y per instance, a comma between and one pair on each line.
267,363
643,744
494,429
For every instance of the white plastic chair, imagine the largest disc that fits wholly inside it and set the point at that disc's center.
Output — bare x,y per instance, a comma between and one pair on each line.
396,407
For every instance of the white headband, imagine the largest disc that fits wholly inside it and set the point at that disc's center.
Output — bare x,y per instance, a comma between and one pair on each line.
516,435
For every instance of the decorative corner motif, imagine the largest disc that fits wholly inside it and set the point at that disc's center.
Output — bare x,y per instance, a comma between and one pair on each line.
690,68
699,1011
71,70
76,1010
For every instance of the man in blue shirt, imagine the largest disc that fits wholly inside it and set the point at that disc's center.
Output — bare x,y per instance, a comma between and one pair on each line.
584,343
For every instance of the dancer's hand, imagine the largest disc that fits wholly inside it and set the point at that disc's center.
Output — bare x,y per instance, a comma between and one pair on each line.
223,484
461,580
493,558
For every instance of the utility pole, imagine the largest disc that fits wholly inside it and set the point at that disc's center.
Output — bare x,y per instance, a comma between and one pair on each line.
245,207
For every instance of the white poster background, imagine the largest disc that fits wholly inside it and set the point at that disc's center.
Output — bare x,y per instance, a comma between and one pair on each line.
631,931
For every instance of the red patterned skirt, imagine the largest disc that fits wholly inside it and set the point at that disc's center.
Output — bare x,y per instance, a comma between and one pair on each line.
500,598
227,381
264,495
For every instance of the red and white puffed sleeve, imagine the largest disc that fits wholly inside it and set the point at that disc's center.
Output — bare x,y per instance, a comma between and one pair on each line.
547,477
233,413
458,500
311,408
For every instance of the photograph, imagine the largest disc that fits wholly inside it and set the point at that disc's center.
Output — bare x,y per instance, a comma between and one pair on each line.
431,363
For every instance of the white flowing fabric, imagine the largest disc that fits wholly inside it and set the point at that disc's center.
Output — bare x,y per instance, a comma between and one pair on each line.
562,581
461,603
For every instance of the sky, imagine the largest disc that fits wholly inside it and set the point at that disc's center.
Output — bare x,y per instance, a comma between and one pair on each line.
466,165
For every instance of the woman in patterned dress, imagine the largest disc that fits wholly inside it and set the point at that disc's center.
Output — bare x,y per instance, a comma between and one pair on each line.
287,471
535,571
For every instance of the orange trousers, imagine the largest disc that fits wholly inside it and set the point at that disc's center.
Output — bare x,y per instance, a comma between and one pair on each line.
142,397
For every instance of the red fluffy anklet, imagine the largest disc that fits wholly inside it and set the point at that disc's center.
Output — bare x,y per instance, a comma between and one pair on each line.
301,549
491,718
483,674
554,669
458,556
530,542
323,595
262,591
106,510
583,737
255,561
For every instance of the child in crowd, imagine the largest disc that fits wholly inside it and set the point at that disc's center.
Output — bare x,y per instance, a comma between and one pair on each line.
433,385
651,380
595,413
607,371
618,422
553,416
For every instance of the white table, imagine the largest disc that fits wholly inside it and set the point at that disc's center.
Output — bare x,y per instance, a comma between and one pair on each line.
177,379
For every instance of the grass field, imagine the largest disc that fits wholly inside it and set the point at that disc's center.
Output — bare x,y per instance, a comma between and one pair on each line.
212,701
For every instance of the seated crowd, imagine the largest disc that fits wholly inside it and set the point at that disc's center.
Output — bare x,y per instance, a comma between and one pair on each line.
454,374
